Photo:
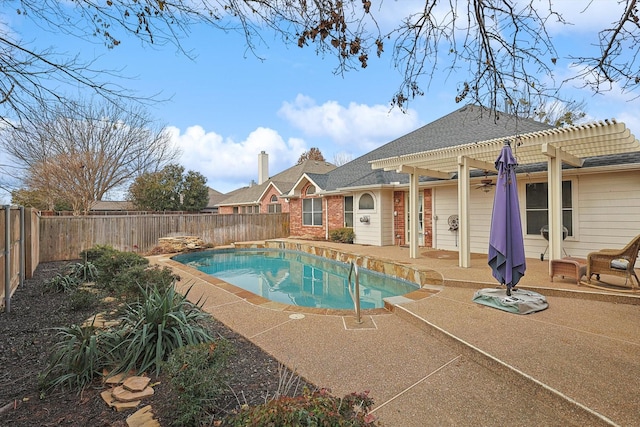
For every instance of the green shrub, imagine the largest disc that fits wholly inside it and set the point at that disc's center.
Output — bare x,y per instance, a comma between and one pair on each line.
198,374
82,300
77,358
98,251
154,327
342,235
111,264
317,408
131,281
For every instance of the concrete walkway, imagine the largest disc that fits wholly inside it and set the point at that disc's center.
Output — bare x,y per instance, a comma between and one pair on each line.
444,360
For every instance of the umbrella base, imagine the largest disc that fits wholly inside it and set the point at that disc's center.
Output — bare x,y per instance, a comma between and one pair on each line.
519,302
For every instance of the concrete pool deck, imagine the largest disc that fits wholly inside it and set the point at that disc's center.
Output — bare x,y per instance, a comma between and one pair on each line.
444,360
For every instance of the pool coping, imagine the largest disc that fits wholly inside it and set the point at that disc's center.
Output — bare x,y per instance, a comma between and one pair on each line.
424,279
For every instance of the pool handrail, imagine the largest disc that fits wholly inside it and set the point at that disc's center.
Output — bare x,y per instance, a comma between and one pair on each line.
355,294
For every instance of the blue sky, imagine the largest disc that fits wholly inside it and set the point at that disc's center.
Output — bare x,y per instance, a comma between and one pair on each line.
226,105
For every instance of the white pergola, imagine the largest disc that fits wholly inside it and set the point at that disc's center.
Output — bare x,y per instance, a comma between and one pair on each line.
570,145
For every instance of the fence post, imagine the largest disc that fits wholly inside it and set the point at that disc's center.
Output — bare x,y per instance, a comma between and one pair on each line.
7,258
23,253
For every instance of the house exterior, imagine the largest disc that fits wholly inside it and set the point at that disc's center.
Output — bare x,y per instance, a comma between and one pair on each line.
585,178
215,197
266,196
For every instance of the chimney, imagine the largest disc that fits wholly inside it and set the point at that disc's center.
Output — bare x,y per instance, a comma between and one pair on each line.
263,167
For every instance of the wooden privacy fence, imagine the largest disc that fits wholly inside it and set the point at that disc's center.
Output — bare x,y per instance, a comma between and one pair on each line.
63,238
19,249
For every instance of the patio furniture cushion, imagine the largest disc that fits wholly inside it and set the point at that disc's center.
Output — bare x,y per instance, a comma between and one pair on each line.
620,264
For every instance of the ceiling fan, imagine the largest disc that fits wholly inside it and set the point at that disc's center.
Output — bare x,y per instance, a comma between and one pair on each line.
485,183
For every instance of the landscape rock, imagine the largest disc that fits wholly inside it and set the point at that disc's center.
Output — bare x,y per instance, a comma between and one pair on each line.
136,384
123,395
143,417
180,244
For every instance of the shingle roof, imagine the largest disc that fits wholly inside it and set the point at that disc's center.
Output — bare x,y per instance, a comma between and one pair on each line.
467,125
284,181
214,197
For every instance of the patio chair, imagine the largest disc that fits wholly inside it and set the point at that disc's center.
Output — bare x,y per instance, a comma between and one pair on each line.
615,262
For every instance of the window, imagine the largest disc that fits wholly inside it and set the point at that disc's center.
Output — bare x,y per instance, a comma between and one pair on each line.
538,207
310,190
348,211
274,206
366,202
312,211
235,209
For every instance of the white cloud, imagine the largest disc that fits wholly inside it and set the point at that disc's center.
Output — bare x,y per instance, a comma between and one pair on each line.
230,164
356,127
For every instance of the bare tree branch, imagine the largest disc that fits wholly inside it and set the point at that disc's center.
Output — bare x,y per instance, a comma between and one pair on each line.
81,152
499,51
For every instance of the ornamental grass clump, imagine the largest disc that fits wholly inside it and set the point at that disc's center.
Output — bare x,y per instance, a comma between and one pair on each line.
152,328
77,358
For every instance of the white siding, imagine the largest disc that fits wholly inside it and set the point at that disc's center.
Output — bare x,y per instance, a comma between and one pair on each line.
445,201
480,207
606,214
387,218
368,233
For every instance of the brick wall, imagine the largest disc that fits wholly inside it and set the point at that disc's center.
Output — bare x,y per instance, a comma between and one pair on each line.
336,212
399,226
266,201
331,219
427,218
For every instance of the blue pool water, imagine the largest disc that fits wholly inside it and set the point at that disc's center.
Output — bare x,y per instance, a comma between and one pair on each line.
295,278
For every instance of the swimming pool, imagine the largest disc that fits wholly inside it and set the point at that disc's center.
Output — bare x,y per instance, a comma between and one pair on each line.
295,278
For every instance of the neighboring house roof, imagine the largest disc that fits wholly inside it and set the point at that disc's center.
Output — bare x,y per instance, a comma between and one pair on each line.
467,125
283,182
109,205
215,197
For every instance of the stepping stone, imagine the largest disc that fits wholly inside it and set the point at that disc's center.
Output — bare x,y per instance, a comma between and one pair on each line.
136,384
125,406
143,417
117,405
123,395
116,378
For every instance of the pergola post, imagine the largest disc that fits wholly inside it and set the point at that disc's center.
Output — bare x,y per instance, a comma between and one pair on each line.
464,233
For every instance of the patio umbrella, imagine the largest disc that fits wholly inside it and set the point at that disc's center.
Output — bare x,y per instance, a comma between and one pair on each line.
506,244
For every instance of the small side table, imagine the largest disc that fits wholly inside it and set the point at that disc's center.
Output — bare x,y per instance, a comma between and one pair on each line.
569,267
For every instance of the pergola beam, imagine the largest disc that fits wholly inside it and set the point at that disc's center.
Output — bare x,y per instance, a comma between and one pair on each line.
412,170
472,163
550,150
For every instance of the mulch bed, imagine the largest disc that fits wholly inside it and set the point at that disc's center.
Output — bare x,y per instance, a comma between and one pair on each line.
26,337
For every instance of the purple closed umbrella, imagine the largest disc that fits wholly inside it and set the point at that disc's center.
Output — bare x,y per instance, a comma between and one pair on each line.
506,244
